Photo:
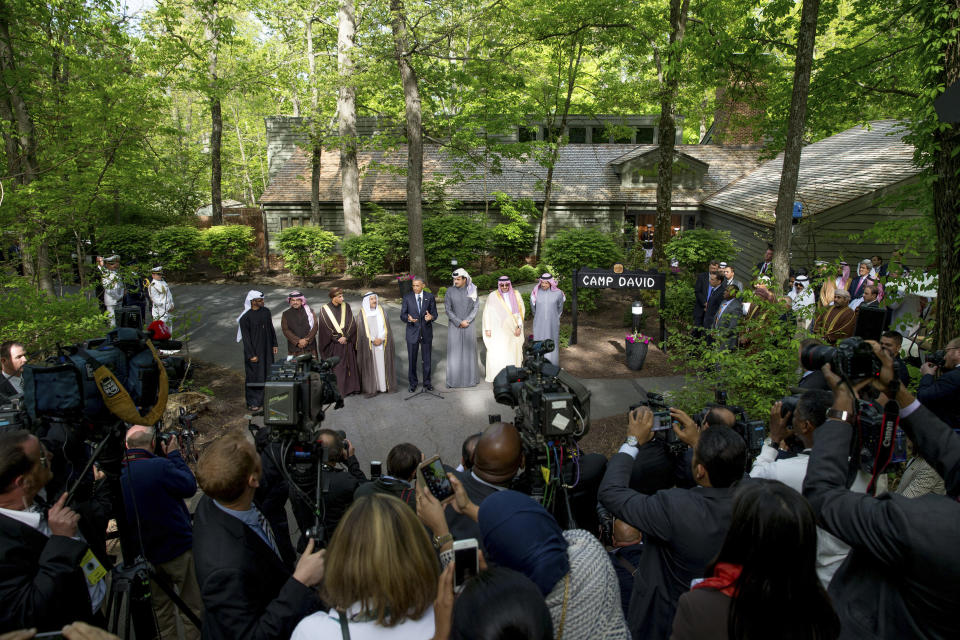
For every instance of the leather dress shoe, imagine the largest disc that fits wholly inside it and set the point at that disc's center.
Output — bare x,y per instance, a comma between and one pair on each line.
428,387
413,388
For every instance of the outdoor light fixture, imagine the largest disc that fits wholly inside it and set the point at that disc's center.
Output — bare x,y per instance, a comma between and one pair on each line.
637,311
454,263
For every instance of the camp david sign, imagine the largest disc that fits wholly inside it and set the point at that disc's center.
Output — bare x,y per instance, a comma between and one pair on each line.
608,279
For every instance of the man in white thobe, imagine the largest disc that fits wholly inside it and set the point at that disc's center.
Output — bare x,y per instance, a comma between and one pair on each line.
503,328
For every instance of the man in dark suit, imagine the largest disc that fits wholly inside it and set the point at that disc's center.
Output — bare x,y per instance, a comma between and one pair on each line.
248,591
418,311
683,529
714,299
728,317
939,392
701,289
12,359
900,578
891,342
765,267
42,560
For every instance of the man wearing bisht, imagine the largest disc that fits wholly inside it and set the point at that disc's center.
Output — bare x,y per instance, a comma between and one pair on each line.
462,304
337,336
375,349
255,331
299,326
546,304
503,328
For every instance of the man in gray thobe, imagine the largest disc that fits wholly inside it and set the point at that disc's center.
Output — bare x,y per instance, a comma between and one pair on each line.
546,301
462,305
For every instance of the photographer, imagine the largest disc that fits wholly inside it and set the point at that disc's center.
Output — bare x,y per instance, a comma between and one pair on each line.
901,576
940,394
402,462
45,581
154,490
248,590
683,529
688,433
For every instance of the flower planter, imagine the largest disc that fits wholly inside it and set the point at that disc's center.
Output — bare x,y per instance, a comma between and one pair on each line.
636,354
406,286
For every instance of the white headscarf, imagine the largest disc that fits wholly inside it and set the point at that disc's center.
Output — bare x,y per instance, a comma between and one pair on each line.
374,315
251,295
470,287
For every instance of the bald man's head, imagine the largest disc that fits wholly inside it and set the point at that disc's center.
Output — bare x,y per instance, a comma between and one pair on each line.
498,453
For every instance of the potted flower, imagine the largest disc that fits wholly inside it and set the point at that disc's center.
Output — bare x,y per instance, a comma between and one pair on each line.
637,346
406,284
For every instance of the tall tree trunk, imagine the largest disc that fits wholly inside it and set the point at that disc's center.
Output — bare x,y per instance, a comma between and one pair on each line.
668,128
946,190
247,182
794,143
573,68
411,98
316,151
347,114
216,115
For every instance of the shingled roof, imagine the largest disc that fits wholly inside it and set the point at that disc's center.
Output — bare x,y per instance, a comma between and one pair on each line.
583,174
834,170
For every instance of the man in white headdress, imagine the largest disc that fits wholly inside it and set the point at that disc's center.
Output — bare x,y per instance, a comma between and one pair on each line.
803,301
546,304
375,350
112,285
462,305
503,328
161,298
255,330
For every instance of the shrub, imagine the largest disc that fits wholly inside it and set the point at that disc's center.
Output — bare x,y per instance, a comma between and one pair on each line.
680,298
230,246
40,322
366,255
695,248
451,236
306,250
177,247
441,293
529,274
575,248
485,282
392,227
130,241
512,241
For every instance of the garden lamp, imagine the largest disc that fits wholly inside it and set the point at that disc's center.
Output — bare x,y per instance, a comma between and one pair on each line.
637,311
454,263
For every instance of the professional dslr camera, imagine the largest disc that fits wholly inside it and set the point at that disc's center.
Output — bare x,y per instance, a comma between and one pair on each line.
753,432
662,422
937,358
852,359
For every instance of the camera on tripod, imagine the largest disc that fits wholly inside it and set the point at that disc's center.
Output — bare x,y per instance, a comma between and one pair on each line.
295,394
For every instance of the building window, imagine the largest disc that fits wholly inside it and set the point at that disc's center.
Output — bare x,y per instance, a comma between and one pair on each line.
635,177
577,135
644,135
623,137
599,135
526,134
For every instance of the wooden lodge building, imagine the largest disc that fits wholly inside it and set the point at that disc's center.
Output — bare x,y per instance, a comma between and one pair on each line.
608,181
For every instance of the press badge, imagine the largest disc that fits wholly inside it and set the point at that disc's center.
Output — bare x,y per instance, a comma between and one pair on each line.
92,568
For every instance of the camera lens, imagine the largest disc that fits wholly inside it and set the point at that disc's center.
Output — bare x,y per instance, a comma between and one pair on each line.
814,356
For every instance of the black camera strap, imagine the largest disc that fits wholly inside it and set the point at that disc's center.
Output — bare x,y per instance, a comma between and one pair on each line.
886,443
344,626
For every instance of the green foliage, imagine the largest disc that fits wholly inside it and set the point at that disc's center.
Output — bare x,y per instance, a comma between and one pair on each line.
366,255
392,227
512,241
40,321
441,293
565,331
529,274
575,248
176,247
754,376
306,250
695,248
230,247
131,242
526,302
517,275
451,236
680,298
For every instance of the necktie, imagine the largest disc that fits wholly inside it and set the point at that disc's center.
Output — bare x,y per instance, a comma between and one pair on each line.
419,303
265,527
709,292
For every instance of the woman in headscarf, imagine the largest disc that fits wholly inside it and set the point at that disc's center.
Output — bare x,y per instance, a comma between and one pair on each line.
375,350
546,303
299,326
336,335
462,305
503,328
570,568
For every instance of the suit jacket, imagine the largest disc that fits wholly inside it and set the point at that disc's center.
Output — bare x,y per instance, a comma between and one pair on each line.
683,529
940,395
727,322
6,389
899,580
815,380
41,583
700,288
760,270
713,305
737,283
248,592
855,290
409,308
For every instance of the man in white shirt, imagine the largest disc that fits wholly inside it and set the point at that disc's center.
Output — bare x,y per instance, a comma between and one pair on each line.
161,298
12,358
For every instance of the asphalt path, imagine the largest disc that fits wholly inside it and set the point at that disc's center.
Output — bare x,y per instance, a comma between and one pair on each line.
208,314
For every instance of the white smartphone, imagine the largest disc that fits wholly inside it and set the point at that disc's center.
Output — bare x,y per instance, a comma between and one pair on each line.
466,562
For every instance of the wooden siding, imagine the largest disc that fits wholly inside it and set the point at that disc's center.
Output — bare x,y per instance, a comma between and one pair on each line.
750,236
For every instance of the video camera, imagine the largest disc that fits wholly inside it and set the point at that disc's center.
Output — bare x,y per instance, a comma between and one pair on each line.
295,394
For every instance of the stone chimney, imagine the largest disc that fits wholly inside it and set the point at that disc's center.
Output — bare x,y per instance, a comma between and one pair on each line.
736,118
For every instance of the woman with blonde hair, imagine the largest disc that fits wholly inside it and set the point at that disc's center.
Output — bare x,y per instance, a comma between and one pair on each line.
380,577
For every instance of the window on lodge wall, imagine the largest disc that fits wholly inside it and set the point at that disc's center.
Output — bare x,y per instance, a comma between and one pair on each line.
292,221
